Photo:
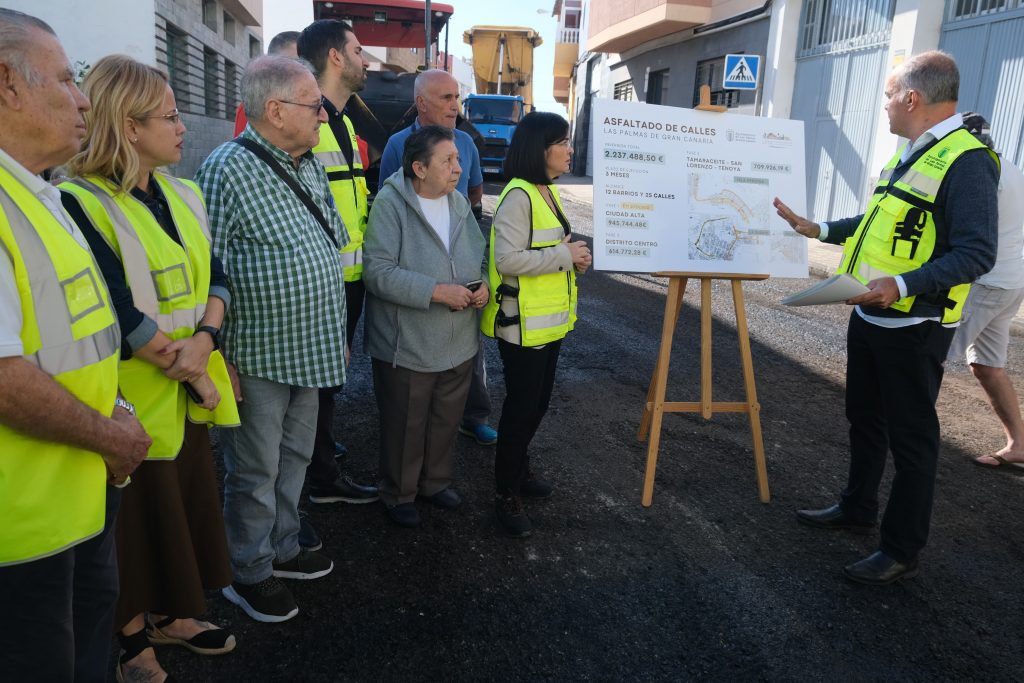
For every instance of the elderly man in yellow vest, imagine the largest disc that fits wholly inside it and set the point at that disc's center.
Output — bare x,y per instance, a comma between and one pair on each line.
65,434
928,232
337,57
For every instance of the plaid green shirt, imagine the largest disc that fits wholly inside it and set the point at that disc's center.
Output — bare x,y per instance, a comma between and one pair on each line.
287,317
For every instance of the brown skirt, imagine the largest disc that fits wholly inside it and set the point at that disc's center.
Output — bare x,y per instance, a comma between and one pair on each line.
171,545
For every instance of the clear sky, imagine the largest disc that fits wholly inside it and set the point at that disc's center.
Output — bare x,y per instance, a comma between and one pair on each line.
293,15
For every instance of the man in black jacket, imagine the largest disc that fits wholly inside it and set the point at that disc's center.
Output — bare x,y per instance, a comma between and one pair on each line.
929,231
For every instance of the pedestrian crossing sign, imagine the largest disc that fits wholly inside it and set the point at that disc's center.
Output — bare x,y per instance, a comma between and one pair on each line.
741,72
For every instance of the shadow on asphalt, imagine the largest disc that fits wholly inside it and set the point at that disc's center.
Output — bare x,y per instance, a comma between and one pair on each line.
706,584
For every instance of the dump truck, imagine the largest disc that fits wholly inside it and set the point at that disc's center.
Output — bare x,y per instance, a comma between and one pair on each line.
503,71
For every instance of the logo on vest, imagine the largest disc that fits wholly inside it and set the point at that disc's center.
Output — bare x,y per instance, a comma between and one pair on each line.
908,233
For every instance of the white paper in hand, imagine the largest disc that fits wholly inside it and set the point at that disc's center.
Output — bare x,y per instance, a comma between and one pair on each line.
835,290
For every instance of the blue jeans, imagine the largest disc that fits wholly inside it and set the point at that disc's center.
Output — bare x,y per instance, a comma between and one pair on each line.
265,459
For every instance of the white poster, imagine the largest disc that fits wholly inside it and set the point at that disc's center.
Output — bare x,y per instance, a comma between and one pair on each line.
685,190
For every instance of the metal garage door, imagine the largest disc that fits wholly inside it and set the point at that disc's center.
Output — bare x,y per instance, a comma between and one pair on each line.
987,39
840,61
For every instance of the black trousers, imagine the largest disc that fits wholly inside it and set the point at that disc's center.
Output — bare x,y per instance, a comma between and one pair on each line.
529,379
893,377
323,468
57,613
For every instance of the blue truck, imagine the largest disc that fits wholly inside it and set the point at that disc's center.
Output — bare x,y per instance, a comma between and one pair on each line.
496,117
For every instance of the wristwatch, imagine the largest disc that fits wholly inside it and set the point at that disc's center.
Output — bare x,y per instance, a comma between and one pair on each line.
121,403
214,333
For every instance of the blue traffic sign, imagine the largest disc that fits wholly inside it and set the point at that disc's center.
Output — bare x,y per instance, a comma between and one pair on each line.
741,72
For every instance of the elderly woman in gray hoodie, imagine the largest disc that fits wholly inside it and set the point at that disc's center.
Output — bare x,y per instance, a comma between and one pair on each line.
423,265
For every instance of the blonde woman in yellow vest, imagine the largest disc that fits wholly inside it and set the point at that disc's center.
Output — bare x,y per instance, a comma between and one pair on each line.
150,236
532,266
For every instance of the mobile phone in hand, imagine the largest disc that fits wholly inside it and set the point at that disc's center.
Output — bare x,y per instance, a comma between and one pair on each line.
192,393
473,285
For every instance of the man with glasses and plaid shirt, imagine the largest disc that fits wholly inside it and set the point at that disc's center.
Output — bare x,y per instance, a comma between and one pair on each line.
278,233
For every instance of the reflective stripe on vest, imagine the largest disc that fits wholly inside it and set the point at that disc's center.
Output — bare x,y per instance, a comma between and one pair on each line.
80,295
547,303
170,284
52,495
897,233
151,286
348,188
352,258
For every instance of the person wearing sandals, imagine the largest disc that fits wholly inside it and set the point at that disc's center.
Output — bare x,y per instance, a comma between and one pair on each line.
150,234
532,273
423,267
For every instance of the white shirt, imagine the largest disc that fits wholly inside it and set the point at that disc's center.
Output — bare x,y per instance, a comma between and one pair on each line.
936,132
10,302
436,213
1008,273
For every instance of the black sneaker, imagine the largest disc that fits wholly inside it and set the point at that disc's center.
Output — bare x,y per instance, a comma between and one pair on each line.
534,487
343,491
306,565
511,518
268,601
309,539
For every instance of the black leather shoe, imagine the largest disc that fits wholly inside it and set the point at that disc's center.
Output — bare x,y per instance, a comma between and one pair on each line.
878,569
534,487
448,499
404,514
833,518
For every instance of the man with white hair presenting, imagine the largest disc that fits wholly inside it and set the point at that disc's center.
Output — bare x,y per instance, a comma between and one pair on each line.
928,232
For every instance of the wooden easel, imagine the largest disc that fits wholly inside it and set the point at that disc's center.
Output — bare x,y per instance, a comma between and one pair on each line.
656,406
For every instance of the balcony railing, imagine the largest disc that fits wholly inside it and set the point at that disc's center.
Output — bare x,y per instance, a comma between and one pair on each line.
568,35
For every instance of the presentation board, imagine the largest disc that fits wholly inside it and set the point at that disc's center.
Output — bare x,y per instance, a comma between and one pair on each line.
686,190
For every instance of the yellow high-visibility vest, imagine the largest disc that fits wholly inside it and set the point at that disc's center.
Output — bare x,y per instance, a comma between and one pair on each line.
897,233
170,283
547,303
348,188
53,496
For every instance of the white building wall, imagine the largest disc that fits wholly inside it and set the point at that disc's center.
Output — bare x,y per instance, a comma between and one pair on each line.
375,56
780,60
916,28
462,71
90,30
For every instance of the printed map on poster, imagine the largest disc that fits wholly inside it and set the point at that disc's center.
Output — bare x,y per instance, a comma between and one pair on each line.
684,190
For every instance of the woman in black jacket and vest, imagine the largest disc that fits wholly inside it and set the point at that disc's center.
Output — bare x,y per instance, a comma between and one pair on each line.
532,270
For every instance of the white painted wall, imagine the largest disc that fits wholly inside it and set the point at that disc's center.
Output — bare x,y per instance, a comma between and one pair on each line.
375,56
462,72
916,28
90,30
780,60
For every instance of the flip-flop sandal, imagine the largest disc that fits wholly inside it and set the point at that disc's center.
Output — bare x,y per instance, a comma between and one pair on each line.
1000,461
214,641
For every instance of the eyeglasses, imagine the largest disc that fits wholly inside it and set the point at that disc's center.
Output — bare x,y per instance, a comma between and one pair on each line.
315,107
174,117
561,143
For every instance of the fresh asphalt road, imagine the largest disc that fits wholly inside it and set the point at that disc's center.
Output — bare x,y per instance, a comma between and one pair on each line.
708,583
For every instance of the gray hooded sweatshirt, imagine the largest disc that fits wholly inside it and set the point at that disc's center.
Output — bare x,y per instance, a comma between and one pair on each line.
403,258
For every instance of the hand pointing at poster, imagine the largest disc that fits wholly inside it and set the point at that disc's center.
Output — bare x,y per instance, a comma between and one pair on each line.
799,223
